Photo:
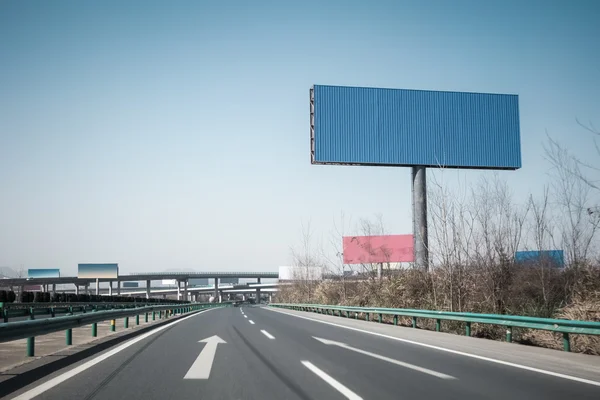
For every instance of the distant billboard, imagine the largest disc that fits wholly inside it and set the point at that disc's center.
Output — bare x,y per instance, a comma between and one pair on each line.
229,281
169,282
378,249
43,273
131,284
401,127
98,271
554,258
297,273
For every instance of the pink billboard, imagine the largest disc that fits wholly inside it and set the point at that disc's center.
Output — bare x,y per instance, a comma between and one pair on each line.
378,249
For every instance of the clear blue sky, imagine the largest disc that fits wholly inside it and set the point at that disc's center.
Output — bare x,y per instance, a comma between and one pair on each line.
164,134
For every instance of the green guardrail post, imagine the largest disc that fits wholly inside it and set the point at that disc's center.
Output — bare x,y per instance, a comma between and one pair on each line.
153,315
69,337
414,322
380,318
5,314
113,325
367,317
438,325
509,334
146,318
126,322
30,346
355,314
468,329
137,319
566,342
52,312
395,320
94,329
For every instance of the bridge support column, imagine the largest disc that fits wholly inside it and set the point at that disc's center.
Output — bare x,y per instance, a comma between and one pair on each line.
97,286
258,296
217,290
148,289
54,288
270,297
178,290
185,290
244,296
110,288
220,296
86,288
77,290
258,280
118,288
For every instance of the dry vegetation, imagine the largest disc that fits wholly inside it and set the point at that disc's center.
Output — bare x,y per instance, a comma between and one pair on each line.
474,234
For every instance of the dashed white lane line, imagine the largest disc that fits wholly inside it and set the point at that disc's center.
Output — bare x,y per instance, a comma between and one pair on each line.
349,394
267,334
251,322
457,352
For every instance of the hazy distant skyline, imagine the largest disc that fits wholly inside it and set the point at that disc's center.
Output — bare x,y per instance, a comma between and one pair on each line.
166,135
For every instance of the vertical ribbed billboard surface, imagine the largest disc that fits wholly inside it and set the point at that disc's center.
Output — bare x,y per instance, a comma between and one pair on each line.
401,127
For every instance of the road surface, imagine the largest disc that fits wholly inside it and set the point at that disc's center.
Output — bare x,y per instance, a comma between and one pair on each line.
262,353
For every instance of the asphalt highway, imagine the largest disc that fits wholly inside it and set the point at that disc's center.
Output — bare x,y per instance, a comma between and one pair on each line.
261,353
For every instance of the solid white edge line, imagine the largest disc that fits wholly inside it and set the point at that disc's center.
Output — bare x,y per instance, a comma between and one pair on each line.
267,334
349,394
251,322
461,353
36,391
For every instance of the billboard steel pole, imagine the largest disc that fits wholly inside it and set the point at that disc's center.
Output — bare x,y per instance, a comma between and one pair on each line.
419,194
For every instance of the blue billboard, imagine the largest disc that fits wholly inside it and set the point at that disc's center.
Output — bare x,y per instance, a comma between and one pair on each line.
400,127
555,258
131,284
43,273
97,271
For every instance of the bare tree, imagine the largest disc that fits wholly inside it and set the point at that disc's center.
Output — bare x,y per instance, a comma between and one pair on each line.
306,261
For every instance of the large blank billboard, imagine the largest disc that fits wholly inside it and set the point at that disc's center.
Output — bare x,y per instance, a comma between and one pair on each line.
378,249
401,127
43,273
98,271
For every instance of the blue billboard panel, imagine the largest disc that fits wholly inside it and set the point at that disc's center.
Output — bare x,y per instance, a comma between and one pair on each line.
97,271
400,127
229,281
552,257
43,273
131,284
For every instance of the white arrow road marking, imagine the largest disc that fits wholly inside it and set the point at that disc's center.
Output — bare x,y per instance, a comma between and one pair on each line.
251,322
200,369
390,360
267,334
349,394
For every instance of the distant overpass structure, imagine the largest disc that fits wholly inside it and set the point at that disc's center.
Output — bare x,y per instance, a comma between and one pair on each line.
181,279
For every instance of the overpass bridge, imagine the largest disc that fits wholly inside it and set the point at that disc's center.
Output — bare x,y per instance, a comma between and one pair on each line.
148,277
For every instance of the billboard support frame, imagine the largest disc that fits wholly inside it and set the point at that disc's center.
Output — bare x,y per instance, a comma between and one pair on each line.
419,203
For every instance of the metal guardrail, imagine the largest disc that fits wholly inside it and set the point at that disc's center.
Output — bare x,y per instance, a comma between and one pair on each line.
12,310
564,326
30,329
